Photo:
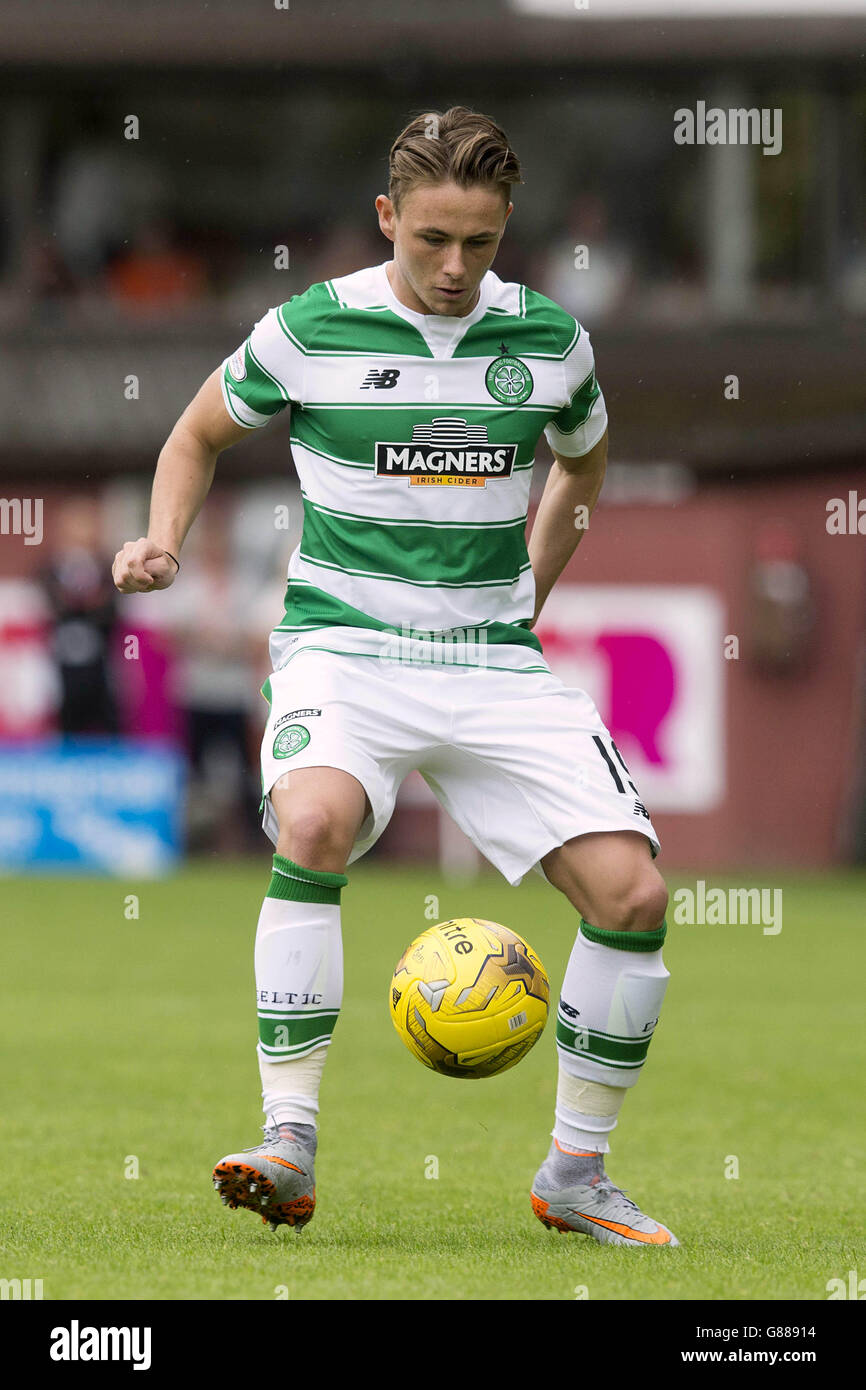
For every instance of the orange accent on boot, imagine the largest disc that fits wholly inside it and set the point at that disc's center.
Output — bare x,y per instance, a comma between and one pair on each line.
272,1158
540,1207
296,1213
657,1237
234,1184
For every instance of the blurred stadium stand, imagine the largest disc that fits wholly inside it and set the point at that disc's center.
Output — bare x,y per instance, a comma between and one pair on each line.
259,128
263,128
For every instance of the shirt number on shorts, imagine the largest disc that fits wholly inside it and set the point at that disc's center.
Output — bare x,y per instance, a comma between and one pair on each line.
611,765
639,808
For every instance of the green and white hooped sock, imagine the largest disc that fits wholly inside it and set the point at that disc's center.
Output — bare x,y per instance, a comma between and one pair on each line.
299,987
610,1004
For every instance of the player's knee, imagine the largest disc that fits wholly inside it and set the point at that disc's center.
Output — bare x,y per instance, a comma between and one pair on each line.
643,906
314,837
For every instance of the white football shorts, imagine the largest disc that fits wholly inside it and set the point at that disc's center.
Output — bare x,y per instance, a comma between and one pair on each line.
521,761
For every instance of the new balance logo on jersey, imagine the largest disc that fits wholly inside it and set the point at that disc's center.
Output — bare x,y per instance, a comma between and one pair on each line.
446,451
382,380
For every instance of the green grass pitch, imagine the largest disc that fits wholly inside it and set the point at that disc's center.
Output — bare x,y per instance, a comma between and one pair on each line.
129,1045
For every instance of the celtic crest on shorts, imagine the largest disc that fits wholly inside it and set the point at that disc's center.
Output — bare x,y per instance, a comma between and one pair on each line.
509,380
291,740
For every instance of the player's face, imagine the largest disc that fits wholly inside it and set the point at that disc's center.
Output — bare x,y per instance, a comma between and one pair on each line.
445,239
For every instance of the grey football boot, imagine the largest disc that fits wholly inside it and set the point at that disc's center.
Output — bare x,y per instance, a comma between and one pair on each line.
595,1208
276,1179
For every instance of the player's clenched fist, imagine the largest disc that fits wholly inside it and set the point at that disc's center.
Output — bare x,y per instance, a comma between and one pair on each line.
141,566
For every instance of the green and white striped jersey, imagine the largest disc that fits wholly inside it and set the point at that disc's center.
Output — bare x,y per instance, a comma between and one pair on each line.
414,438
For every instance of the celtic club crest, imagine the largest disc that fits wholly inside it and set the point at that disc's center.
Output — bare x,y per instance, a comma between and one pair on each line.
509,380
291,740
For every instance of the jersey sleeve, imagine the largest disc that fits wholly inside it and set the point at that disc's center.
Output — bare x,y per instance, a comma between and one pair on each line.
582,421
264,375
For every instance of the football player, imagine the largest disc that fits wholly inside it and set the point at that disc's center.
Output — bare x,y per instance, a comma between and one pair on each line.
418,391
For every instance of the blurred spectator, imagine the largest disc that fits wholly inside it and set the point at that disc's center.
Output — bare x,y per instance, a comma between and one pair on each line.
82,600
44,288
781,602
155,277
592,283
89,205
347,246
103,187
45,271
206,612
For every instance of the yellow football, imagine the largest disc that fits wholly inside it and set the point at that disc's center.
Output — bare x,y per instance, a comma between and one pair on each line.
469,997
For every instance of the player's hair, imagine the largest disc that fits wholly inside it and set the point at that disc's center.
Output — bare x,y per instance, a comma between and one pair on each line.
457,145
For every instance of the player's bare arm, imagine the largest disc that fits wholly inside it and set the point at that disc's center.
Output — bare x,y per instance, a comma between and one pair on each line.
183,477
570,494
